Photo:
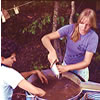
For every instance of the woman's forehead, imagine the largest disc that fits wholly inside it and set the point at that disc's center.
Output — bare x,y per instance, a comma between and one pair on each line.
86,20
13,55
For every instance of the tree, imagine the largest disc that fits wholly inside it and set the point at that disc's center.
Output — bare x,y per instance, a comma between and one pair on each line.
56,42
72,12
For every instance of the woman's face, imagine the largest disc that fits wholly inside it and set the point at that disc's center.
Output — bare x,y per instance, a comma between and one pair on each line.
10,60
84,26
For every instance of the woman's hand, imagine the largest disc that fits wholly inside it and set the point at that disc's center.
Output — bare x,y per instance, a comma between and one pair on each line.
24,84
41,92
62,68
42,76
52,57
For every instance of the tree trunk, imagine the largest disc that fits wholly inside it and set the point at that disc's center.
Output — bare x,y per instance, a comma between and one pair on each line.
72,12
56,42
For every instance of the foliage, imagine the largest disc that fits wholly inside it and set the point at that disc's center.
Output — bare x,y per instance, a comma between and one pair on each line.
38,23
42,13
40,67
42,22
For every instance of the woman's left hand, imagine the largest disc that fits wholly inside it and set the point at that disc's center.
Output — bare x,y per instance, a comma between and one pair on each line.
62,68
42,77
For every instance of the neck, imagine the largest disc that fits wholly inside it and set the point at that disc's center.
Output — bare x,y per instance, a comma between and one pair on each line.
2,64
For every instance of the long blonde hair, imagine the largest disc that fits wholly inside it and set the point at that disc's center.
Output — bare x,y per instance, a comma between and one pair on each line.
88,13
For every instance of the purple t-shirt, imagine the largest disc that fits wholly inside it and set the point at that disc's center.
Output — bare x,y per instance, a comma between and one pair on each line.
75,51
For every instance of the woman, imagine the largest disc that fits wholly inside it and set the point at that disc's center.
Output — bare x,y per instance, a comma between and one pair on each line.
81,44
10,78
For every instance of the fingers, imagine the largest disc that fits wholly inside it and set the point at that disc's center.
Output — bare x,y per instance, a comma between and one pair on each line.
62,68
42,77
45,79
59,68
41,92
55,61
41,80
41,95
52,57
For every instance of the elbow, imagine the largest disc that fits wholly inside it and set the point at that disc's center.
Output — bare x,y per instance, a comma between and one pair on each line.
87,63
43,38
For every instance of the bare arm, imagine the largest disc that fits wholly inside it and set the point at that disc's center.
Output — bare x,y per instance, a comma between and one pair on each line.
24,84
29,73
46,40
39,73
85,63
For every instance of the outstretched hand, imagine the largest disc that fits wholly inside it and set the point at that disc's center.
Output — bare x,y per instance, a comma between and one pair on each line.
42,77
41,92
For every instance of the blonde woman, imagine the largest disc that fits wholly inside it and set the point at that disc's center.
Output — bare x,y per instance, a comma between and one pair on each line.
81,44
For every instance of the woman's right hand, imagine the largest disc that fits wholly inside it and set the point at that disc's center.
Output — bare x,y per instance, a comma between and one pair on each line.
41,92
52,56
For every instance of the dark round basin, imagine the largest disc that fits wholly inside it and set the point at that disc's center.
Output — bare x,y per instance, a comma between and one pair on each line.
57,89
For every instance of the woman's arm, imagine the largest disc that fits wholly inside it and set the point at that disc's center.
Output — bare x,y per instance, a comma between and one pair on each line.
85,63
37,72
29,73
24,84
46,40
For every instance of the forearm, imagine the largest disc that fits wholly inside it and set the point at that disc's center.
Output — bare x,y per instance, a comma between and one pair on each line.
77,66
46,40
27,74
24,84
83,64
47,44
28,87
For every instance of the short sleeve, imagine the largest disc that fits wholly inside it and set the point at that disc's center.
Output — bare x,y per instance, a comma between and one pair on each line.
13,78
66,30
93,43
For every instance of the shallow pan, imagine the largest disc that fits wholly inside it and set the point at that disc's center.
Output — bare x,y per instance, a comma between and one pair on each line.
68,87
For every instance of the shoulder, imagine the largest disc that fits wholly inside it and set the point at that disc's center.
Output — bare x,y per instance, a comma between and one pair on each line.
93,38
10,76
6,71
93,35
69,26
66,30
